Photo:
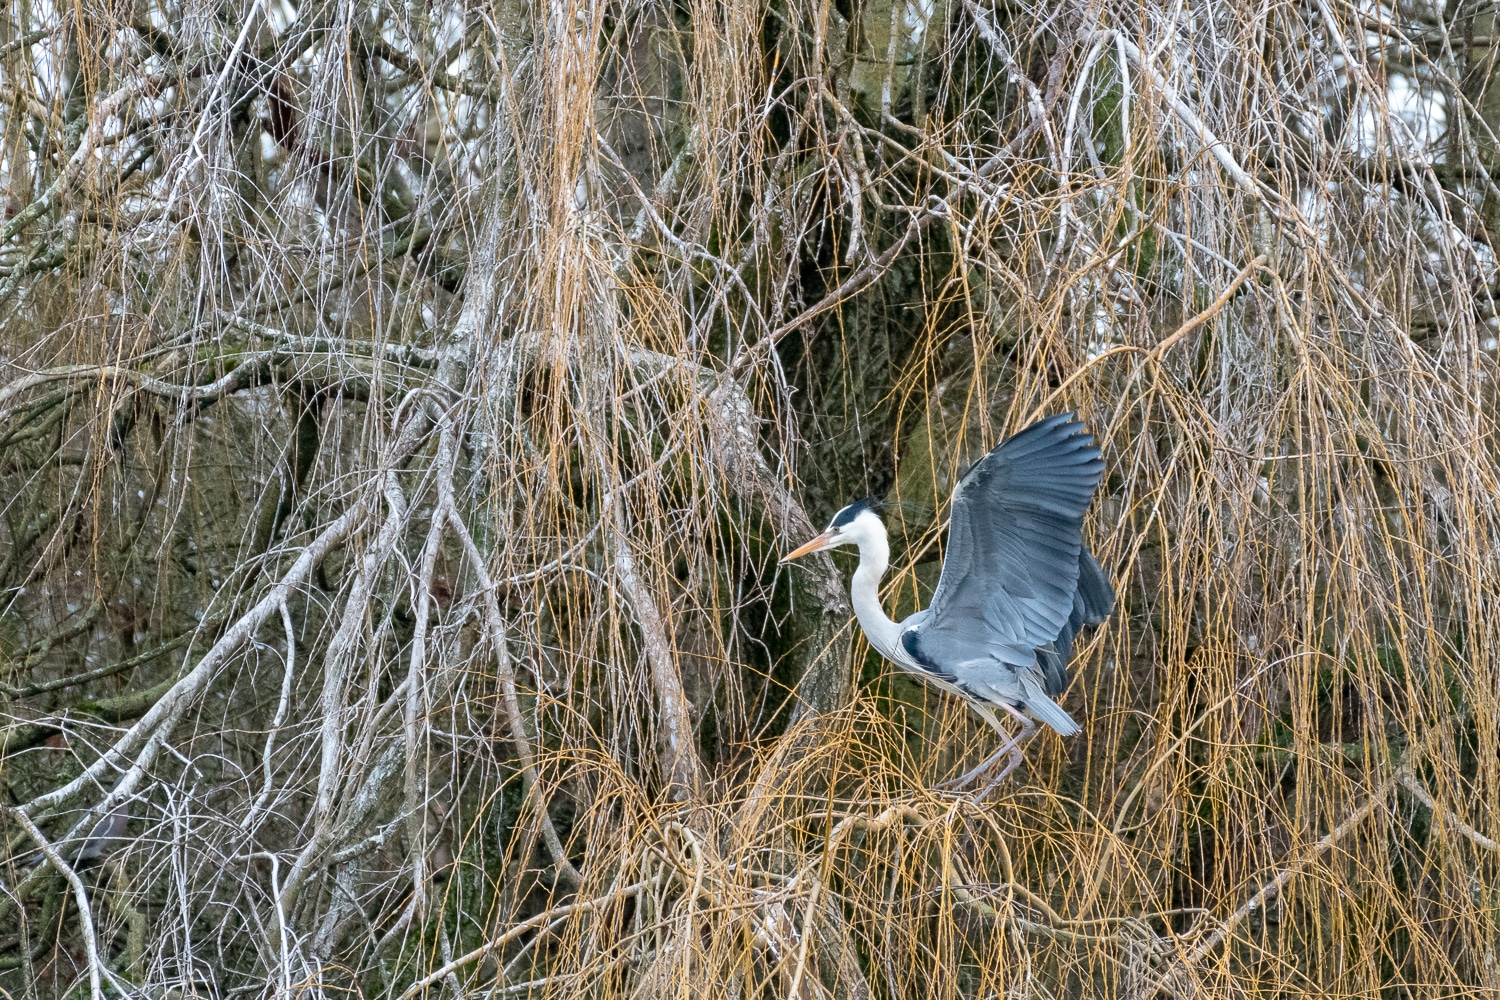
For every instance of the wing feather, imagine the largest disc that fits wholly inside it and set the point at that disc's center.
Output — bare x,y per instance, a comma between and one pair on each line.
1092,604
1017,584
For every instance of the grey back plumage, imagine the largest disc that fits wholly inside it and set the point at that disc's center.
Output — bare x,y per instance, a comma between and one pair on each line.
1017,584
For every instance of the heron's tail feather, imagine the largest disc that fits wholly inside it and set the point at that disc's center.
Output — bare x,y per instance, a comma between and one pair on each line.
1047,710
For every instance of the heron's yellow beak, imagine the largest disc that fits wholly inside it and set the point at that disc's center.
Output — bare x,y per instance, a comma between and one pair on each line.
823,541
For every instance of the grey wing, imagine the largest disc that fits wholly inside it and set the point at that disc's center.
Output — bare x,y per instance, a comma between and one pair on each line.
1011,571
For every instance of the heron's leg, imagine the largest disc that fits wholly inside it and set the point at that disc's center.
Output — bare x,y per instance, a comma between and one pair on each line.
983,766
1028,729
1009,745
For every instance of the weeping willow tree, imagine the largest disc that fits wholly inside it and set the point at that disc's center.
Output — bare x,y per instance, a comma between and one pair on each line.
404,408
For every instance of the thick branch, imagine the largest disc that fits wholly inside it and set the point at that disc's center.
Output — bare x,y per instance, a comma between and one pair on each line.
676,744
508,690
80,897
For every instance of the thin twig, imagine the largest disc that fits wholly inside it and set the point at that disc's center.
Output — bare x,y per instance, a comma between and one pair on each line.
516,930
1270,889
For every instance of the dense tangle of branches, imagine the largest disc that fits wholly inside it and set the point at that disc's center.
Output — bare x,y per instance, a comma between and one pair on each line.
403,408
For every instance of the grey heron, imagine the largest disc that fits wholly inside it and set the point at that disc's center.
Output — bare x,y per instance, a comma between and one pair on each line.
1017,584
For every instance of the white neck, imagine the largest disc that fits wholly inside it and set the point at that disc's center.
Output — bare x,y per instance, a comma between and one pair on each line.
864,590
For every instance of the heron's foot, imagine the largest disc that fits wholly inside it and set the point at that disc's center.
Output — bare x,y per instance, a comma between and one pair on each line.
963,781
952,787
975,796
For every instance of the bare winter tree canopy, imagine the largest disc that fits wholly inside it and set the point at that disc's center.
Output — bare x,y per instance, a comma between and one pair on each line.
403,410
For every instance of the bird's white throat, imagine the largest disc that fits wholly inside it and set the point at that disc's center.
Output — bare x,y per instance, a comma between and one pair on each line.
869,534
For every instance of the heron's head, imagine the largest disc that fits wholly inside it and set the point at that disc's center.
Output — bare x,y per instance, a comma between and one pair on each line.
849,526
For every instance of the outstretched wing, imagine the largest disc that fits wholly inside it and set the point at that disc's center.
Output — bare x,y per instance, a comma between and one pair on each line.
1010,581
